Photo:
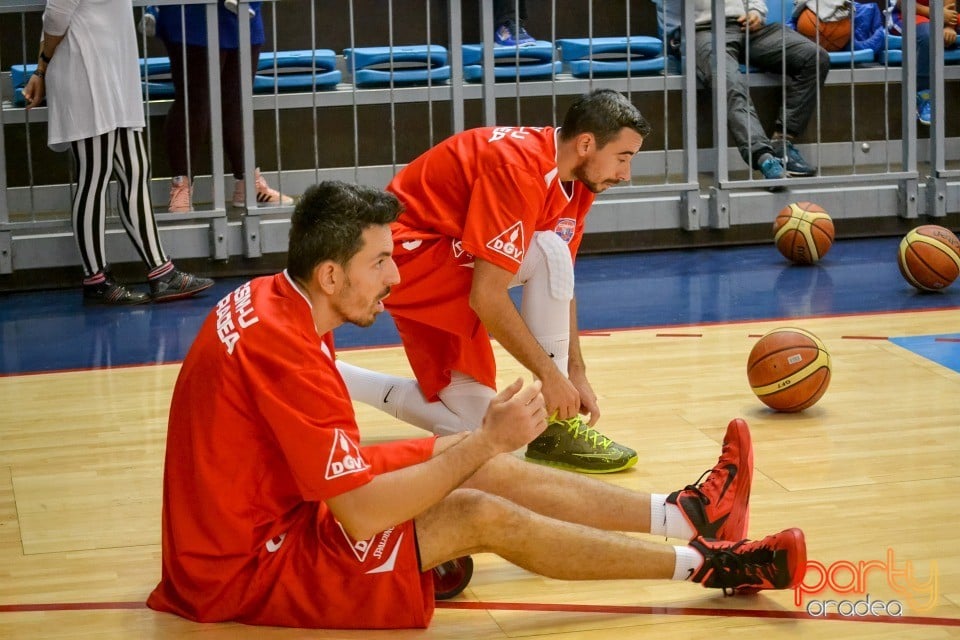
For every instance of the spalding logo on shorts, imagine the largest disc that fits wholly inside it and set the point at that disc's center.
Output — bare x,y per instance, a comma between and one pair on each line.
345,457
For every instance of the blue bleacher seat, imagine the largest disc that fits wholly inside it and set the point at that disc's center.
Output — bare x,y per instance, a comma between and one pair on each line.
894,55
295,71
533,61
401,65
858,57
539,52
641,55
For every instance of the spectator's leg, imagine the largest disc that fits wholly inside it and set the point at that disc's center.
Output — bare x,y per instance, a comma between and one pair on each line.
742,121
806,64
93,164
923,56
504,10
191,96
232,105
132,170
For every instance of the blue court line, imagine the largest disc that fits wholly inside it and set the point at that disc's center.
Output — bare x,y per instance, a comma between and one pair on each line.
54,331
944,349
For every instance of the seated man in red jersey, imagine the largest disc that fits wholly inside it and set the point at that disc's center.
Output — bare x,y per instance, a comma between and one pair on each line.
486,210
274,514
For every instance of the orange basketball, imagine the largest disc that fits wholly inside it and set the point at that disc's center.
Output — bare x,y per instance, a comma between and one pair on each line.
834,36
789,369
803,232
929,257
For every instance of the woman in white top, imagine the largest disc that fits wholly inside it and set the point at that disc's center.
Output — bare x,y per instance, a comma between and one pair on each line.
89,71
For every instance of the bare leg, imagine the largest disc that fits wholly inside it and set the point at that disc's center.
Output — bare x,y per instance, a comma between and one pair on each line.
563,495
470,521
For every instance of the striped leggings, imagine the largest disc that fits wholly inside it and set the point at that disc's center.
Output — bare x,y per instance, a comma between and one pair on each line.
122,153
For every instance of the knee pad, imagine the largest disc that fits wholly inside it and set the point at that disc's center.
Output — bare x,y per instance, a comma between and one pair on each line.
548,251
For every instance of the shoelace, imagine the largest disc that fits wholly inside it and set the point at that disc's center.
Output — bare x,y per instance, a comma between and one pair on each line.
576,427
695,487
733,570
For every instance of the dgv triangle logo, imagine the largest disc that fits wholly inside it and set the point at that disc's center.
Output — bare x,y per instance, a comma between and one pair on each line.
345,457
510,243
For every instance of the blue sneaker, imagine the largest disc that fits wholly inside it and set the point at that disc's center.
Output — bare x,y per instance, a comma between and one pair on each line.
924,108
796,166
772,168
511,34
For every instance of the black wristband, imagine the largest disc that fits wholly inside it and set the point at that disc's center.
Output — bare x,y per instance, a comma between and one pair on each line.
39,74
44,57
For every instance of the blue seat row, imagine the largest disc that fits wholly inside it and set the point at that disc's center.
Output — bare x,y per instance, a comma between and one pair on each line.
308,70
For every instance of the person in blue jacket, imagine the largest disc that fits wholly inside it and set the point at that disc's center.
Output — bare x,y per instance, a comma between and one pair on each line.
183,30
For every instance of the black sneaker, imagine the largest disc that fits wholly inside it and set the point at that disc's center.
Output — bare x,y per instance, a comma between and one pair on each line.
452,577
109,292
574,445
776,562
796,166
176,285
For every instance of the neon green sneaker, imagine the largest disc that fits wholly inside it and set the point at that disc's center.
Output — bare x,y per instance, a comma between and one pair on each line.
571,444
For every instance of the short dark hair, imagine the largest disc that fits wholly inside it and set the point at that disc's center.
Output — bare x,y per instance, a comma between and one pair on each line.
603,113
329,220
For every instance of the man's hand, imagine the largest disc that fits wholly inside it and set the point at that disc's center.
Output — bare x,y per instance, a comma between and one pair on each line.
515,416
949,37
950,15
35,91
560,395
752,21
588,399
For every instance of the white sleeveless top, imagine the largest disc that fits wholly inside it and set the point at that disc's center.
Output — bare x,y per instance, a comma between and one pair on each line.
93,79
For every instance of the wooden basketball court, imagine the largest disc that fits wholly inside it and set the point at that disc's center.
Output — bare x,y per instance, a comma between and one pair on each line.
870,474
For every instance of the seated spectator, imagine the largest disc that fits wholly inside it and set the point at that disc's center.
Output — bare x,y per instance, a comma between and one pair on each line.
750,40
508,28
895,26
841,24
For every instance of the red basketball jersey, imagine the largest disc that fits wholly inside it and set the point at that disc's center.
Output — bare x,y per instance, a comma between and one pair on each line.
490,189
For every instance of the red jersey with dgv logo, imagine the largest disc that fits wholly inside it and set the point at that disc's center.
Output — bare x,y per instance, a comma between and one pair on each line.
261,432
491,189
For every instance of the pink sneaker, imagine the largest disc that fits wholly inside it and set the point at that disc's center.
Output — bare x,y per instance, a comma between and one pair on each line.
265,194
181,192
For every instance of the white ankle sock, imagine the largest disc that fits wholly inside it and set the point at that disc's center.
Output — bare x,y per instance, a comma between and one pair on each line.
687,562
667,519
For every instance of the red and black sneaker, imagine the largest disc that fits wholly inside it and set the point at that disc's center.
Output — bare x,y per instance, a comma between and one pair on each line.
719,507
452,577
776,562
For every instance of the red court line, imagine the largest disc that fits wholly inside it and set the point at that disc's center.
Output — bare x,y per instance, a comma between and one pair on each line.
864,338
694,611
70,606
946,339
559,608
679,335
